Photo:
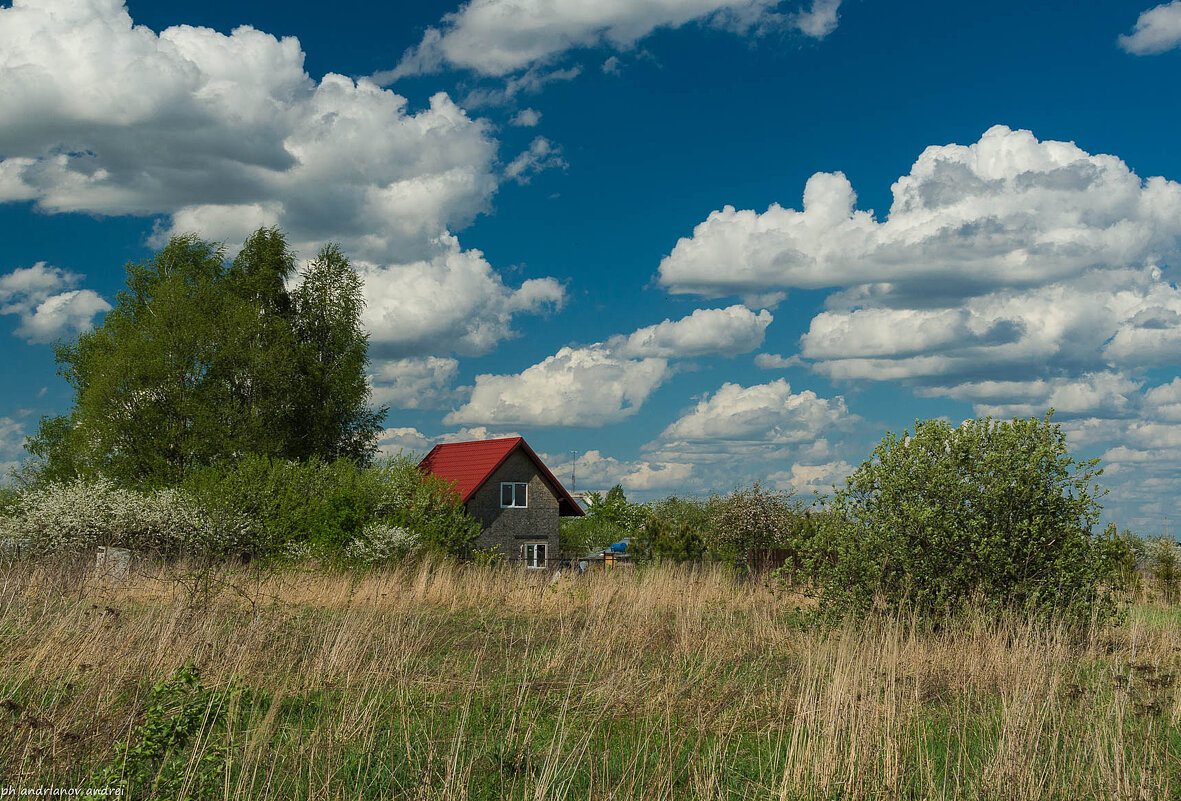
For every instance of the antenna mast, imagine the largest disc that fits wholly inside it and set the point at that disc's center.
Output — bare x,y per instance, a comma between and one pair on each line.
573,467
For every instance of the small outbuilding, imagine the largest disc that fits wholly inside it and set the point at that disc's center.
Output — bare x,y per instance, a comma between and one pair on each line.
505,485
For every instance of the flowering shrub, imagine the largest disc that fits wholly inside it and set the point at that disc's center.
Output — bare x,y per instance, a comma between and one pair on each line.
754,517
379,543
77,516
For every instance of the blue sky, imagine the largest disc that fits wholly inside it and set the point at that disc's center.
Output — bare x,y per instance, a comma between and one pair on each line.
698,241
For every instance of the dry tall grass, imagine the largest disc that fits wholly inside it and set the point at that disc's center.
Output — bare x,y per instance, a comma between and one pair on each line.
438,681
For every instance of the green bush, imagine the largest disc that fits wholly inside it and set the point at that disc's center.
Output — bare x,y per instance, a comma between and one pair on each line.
1164,566
167,756
329,509
608,519
677,511
993,511
319,504
664,540
579,536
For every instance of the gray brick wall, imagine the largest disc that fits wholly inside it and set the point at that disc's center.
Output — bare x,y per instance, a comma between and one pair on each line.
510,528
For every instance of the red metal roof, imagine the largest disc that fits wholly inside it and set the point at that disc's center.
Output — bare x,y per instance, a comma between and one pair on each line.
469,464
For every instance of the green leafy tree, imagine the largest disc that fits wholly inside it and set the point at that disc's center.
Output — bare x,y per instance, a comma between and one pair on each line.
145,404
261,370
332,413
992,510
608,519
201,360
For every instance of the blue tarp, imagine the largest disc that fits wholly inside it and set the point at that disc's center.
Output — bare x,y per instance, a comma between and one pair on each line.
619,547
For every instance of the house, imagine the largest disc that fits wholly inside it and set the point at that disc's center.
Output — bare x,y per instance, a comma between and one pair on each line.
503,484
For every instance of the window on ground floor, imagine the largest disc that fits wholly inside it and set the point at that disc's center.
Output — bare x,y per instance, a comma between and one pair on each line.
534,554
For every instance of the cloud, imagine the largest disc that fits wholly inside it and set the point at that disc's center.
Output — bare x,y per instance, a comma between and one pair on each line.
1165,401
542,154
526,118
739,434
12,436
608,381
774,361
222,134
47,305
1108,394
1126,318
727,332
12,441
408,440
529,82
1006,212
575,387
803,479
599,472
1158,29
454,301
404,440
818,21
115,119
763,417
415,383
1010,265
731,437
500,37
1140,457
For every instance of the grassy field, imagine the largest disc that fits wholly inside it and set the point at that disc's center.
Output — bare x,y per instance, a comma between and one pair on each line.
435,681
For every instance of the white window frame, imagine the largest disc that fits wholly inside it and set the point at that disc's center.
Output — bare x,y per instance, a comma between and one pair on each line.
520,492
529,554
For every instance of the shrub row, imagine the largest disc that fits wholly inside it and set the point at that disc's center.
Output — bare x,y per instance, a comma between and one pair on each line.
993,512
254,506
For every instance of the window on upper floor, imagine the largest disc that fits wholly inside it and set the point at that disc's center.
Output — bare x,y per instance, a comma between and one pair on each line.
514,495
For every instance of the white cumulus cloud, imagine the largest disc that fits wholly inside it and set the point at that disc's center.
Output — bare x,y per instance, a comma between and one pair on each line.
1011,265
740,434
12,440
47,304
526,118
761,415
588,386
414,383
407,440
608,381
1007,211
597,471
453,301
1158,29
727,332
219,134
803,479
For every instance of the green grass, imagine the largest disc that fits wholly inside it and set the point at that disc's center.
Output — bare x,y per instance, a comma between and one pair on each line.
482,685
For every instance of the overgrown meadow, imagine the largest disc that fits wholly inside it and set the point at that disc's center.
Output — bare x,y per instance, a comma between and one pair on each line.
305,620
434,679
